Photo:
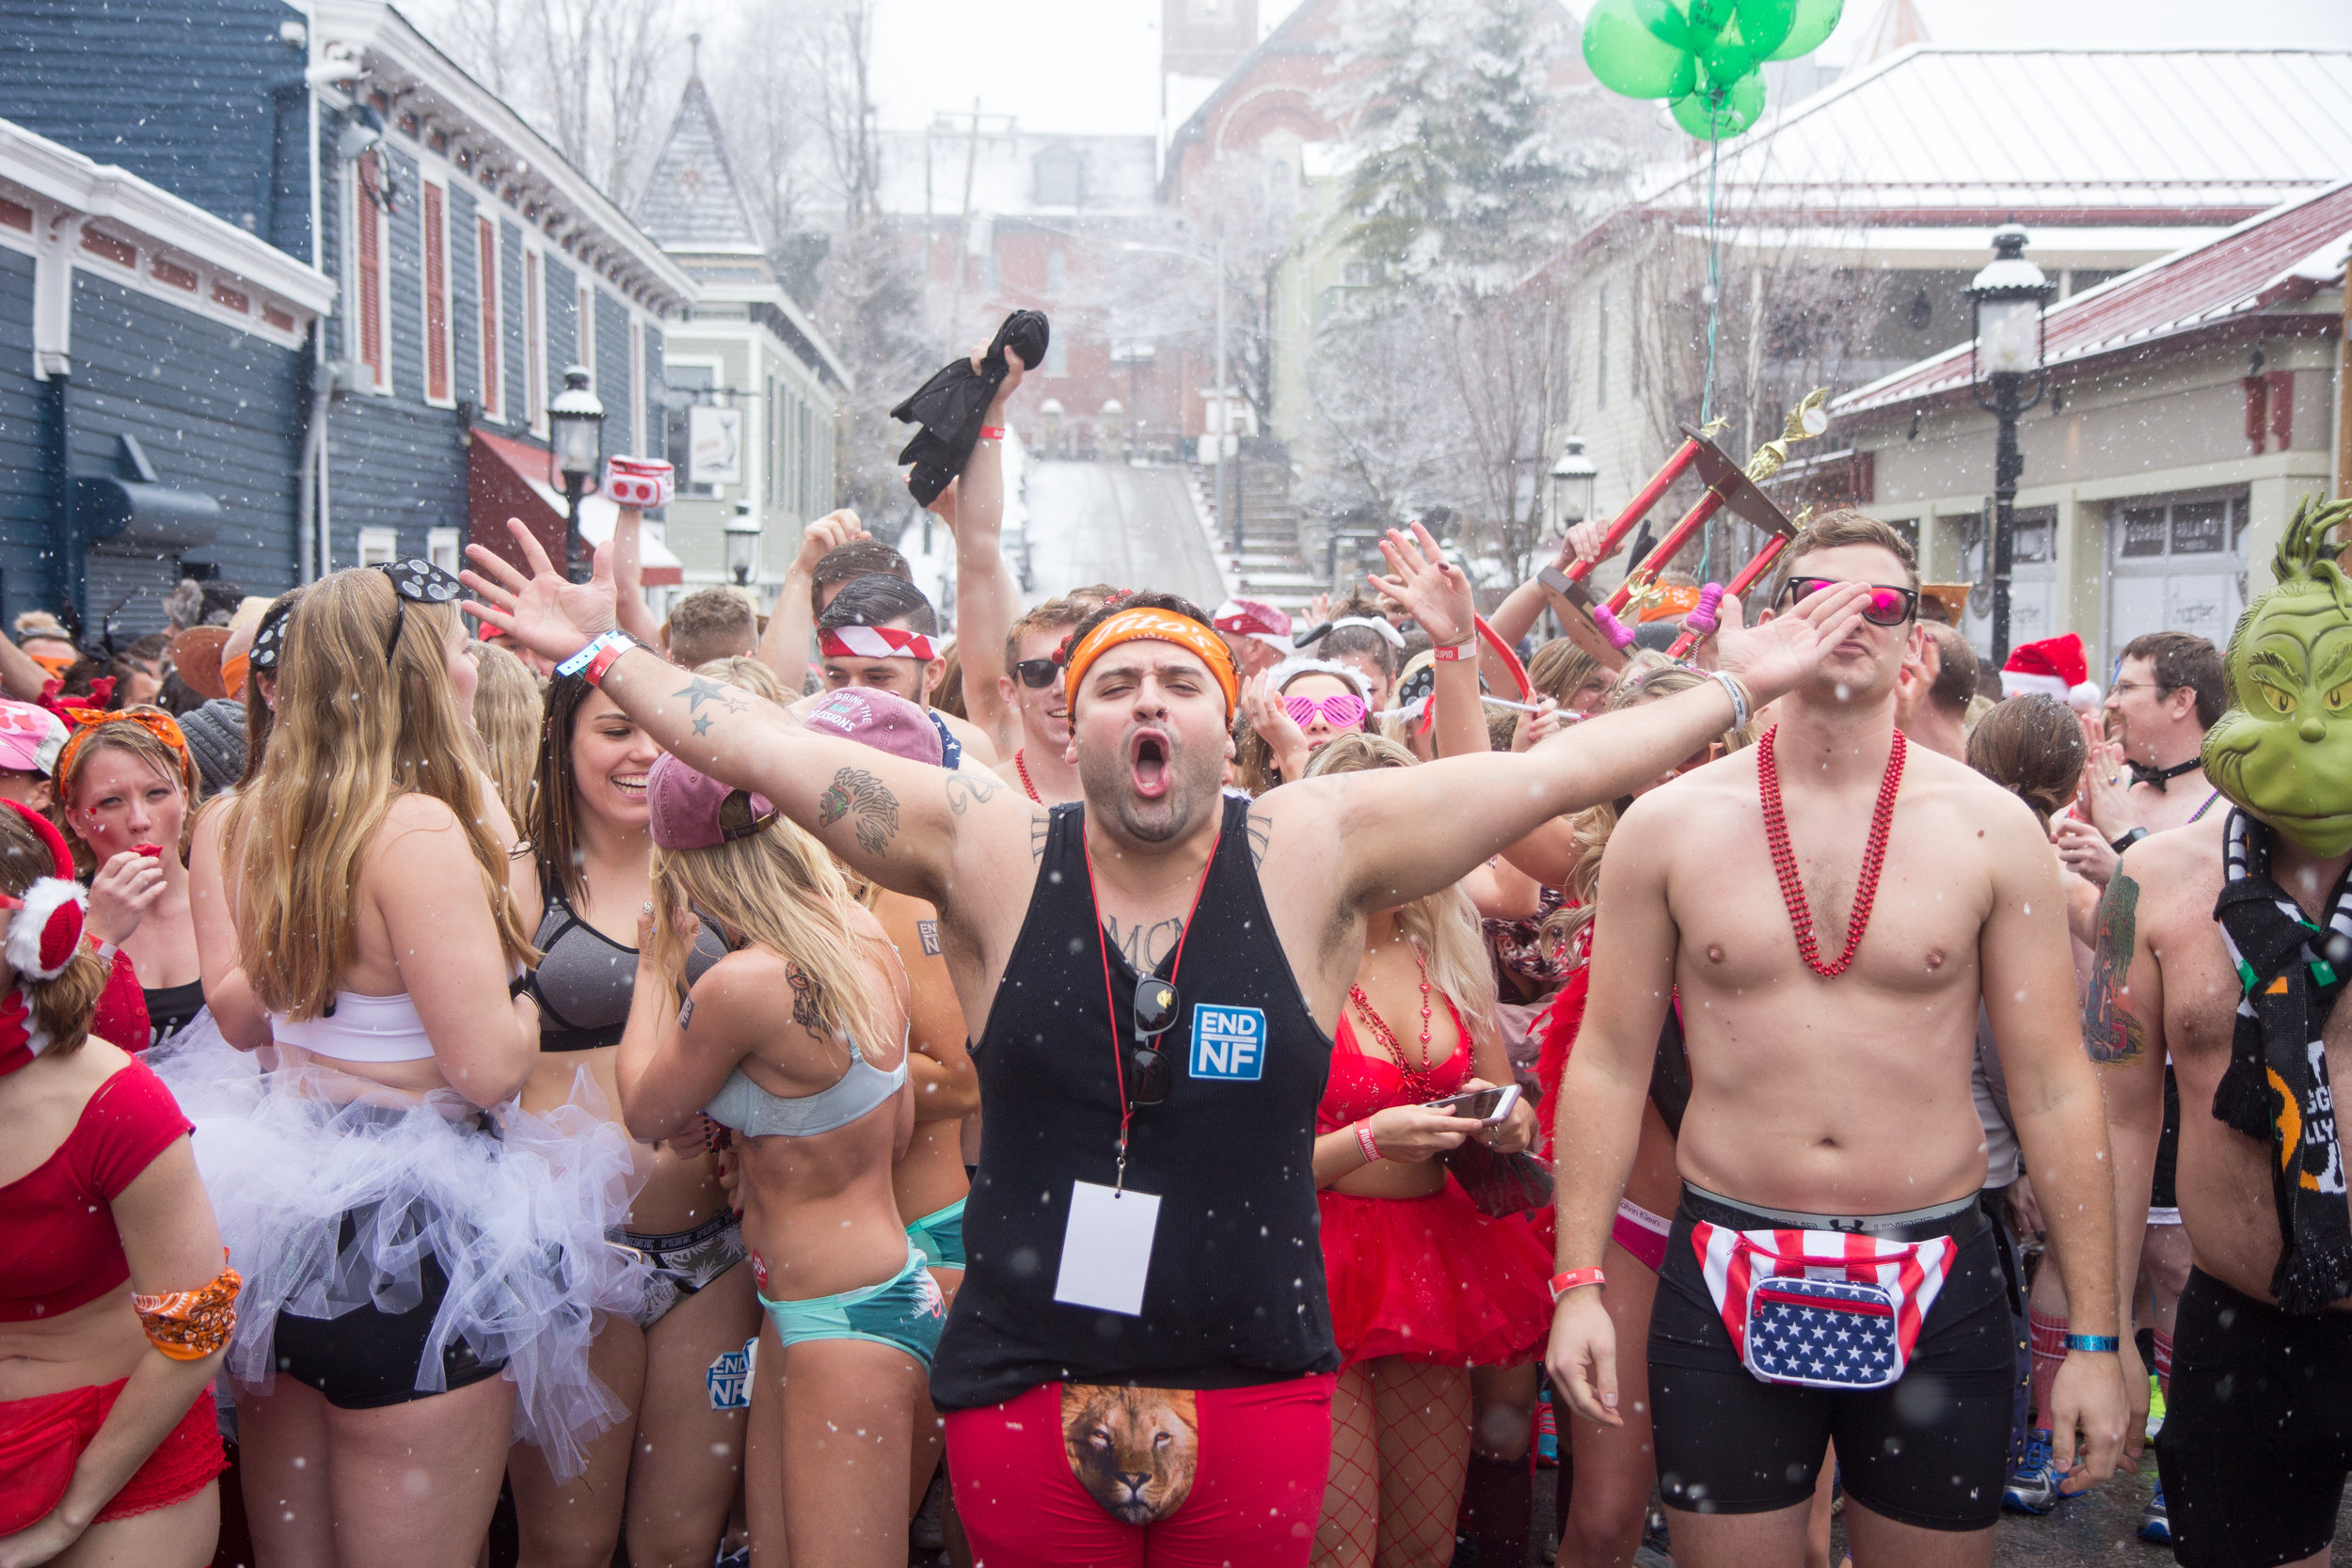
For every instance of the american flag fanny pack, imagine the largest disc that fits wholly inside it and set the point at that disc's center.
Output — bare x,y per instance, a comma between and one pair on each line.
1821,1309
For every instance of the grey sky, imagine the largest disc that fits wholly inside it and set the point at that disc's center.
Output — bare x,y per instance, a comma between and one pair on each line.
1093,64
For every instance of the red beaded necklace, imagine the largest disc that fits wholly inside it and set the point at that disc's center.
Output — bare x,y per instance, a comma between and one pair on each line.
1417,1079
1785,858
1022,768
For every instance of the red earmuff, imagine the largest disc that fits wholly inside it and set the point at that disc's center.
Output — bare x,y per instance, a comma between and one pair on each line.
47,929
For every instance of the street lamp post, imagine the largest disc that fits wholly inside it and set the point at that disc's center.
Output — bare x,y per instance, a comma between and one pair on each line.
2004,353
1574,478
742,530
575,443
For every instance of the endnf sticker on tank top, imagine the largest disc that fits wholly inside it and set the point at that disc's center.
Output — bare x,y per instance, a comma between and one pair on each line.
1106,1249
1227,1044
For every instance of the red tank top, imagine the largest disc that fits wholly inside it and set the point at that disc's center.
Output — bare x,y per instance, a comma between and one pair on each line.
1362,1083
58,1246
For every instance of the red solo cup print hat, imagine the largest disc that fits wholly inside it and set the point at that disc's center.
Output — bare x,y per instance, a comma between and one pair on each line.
2052,667
1254,618
30,739
882,719
693,811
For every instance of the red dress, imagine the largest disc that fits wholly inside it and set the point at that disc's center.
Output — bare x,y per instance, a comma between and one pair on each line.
1427,1278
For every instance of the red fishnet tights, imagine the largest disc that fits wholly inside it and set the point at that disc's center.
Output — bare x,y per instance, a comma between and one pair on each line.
1400,1447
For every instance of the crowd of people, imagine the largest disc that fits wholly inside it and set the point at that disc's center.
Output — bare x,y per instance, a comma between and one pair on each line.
476,1042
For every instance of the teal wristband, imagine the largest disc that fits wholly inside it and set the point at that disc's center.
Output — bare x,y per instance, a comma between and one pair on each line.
2097,1344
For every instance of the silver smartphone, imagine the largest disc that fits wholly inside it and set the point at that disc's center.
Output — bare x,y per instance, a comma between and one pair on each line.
1488,1105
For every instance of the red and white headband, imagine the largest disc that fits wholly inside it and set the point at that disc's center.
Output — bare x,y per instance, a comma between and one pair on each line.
875,643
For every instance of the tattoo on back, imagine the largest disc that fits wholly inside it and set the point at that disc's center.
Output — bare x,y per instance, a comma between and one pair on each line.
964,789
872,810
1261,829
804,1011
2111,1032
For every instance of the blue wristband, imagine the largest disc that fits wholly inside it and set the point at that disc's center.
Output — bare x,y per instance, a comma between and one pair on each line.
2097,1344
582,659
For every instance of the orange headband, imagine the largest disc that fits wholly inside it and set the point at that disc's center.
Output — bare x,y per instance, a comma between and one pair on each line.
1157,626
155,721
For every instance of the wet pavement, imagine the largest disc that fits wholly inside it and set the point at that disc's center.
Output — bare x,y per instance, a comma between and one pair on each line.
1106,522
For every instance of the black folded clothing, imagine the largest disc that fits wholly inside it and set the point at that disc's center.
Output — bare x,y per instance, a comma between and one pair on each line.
952,404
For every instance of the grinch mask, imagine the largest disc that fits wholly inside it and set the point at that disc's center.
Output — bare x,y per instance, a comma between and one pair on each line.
2283,752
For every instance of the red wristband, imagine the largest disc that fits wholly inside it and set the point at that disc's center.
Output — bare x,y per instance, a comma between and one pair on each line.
991,433
603,661
1365,1141
1563,1283
1455,654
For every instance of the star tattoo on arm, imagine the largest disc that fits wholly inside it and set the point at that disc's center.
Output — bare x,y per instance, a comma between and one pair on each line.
862,798
698,691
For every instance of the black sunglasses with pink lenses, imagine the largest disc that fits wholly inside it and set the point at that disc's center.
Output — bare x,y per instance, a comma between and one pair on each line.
1887,606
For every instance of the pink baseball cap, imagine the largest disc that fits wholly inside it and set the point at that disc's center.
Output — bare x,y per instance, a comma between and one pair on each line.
30,739
693,811
882,719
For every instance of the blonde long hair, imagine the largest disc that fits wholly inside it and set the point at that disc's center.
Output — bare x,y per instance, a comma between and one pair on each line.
1647,677
507,708
357,728
777,887
1444,925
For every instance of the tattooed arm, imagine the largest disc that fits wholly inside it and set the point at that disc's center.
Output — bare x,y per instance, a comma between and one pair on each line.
2124,1036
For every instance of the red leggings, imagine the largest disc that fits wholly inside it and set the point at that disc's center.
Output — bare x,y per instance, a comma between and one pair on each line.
1264,1455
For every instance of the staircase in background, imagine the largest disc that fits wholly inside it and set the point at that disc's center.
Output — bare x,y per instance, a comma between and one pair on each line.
1272,565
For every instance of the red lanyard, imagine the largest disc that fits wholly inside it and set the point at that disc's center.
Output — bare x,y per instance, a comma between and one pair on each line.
1119,1048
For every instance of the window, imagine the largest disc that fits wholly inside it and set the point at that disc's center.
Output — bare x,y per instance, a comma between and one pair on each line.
1056,273
433,216
2176,565
369,269
534,345
493,346
1057,355
441,547
378,546
586,336
1600,352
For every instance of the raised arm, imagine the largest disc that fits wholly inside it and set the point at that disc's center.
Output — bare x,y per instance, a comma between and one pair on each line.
988,599
907,826
785,647
1598,1115
1395,835
628,577
2029,984
20,677
1436,594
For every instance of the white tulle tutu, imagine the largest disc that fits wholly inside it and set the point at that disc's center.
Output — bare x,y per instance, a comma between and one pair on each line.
517,1219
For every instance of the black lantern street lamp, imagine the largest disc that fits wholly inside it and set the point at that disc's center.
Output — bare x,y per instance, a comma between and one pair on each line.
2004,353
575,446
1574,479
742,532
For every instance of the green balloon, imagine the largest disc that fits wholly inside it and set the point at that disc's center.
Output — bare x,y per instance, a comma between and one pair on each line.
1754,32
1705,17
1816,19
1626,55
1712,114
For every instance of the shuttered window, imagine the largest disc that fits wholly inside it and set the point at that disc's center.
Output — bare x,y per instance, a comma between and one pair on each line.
534,344
368,250
493,346
436,344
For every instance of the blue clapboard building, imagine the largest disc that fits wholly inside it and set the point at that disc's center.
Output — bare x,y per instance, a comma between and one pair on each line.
268,276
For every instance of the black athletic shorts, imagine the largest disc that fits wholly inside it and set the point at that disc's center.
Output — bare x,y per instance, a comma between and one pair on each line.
2257,1435
2160,1194
369,1357
1931,1450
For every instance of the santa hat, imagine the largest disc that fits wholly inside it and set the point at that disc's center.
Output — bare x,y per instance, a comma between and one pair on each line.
45,929
2054,667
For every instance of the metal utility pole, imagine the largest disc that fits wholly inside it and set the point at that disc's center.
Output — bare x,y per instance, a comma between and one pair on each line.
964,231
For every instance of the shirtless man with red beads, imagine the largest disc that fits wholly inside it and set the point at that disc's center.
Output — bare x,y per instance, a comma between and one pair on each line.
1833,907
1142,1243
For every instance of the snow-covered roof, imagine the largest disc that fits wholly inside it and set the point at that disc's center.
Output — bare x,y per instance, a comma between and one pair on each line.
693,203
2279,259
1109,176
1962,135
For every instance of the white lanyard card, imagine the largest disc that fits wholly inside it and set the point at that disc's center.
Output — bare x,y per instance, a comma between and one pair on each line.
1107,1250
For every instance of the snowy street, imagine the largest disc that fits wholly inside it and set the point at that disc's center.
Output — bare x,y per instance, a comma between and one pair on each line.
1106,522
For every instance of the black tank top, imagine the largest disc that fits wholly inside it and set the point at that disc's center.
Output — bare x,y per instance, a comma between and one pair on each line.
1234,1296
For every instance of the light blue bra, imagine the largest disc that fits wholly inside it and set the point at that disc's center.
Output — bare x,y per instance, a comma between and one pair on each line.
753,1110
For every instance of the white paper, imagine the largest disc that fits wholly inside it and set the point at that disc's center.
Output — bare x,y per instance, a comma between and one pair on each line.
1107,1252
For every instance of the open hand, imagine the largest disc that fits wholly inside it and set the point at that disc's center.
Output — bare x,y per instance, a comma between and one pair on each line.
1284,739
553,617
1774,659
2107,791
1426,586
125,888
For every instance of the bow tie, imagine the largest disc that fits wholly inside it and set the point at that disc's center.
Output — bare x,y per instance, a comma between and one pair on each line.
2158,777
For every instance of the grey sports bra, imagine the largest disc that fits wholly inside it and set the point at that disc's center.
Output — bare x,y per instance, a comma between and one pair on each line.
752,1110
585,979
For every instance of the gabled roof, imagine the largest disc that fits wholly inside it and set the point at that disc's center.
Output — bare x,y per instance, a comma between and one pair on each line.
694,204
1955,134
2279,259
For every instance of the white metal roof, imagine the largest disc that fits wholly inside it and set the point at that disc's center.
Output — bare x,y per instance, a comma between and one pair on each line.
2116,134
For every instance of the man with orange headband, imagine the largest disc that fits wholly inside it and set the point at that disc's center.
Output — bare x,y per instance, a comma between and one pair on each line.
1145,1290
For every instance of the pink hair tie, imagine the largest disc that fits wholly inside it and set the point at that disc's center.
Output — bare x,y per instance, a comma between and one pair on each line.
1702,620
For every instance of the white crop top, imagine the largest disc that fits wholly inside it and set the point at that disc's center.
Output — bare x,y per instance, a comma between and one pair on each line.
359,1029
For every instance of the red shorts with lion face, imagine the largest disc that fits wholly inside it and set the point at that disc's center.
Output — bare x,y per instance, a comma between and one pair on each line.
1144,1478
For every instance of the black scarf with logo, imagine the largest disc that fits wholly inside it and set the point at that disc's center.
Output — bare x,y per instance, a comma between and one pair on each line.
2275,1088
